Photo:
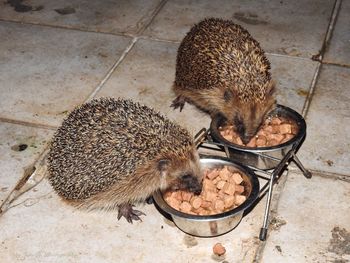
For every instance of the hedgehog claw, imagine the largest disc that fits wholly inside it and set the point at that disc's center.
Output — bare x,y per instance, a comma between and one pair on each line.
129,213
179,102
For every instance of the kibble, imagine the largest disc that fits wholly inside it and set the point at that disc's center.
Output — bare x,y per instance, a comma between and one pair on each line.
276,130
219,249
196,202
185,207
222,190
240,199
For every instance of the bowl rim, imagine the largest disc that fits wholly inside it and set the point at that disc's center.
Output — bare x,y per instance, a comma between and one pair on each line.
279,108
163,205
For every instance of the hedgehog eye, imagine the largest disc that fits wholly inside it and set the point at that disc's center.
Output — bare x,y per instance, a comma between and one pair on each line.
239,125
186,177
163,164
227,95
271,88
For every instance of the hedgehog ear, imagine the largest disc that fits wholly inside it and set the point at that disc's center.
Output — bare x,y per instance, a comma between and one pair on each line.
228,94
271,88
163,165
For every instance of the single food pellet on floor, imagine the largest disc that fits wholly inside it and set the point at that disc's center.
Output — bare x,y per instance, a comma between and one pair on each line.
219,249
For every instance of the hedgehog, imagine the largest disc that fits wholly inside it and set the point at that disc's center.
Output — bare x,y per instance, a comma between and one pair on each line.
109,154
222,70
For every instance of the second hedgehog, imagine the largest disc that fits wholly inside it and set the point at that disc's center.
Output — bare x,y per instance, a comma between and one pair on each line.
221,69
111,153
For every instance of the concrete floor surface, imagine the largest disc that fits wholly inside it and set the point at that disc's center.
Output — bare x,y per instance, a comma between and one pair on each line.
55,55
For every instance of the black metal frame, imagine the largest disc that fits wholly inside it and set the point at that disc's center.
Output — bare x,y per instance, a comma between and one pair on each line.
204,140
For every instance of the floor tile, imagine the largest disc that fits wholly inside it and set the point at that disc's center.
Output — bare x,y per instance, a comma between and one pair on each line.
316,220
339,48
297,30
20,147
41,228
45,72
102,16
327,145
146,75
293,77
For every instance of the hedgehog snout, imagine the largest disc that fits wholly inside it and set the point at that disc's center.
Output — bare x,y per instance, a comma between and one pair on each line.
246,135
191,183
249,134
247,126
241,130
246,139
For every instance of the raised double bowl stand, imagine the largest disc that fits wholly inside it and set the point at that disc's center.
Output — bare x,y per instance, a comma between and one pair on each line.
268,163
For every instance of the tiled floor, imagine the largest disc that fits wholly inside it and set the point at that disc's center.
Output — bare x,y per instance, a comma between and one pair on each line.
55,55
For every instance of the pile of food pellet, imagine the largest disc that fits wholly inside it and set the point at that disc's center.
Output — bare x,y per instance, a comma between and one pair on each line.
222,190
275,131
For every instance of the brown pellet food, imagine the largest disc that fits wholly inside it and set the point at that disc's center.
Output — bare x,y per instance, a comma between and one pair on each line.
222,190
275,131
219,249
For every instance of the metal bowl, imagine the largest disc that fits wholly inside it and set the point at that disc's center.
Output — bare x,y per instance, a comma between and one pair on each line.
264,158
213,225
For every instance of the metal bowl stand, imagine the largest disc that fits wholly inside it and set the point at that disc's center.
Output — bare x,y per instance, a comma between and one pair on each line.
204,140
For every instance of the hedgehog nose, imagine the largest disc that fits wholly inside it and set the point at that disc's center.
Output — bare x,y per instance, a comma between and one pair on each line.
196,187
246,139
197,190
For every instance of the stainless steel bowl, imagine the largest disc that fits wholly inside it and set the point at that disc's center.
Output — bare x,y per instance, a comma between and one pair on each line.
257,156
213,225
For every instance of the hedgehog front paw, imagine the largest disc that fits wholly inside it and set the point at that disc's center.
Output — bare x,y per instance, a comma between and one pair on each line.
179,102
129,213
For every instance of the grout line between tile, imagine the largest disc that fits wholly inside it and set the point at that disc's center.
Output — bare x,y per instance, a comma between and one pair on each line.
293,168
311,91
336,64
287,56
28,124
329,32
325,174
334,18
153,15
68,28
159,39
110,72
319,57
